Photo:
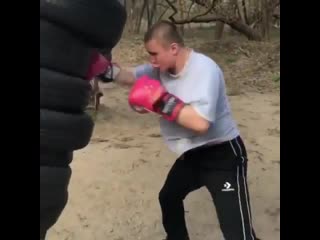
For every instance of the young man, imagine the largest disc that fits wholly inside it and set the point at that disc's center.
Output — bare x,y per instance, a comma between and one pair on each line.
187,90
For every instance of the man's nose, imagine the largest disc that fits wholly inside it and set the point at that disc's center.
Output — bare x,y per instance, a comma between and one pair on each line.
152,60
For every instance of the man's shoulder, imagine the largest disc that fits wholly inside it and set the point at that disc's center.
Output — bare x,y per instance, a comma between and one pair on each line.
204,61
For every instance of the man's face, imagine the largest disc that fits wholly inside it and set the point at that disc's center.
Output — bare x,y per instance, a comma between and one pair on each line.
162,56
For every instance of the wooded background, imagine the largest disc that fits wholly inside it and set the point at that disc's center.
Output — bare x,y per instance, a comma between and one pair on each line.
252,18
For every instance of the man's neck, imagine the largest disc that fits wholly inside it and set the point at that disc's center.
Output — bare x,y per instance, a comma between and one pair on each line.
182,59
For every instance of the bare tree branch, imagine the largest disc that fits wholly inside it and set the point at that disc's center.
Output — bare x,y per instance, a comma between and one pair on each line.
191,5
205,19
233,22
206,12
163,13
200,2
162,5
193,19
175,10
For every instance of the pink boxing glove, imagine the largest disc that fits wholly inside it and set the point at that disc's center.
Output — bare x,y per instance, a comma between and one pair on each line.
148,94
99,64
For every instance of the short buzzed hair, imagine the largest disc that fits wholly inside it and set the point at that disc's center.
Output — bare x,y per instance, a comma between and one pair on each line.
165,31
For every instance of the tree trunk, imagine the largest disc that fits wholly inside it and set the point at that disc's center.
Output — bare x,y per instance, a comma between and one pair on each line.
218,32
245,12
181,9
139,21
240,10
265,20
241,27
152,13
148,14
130,6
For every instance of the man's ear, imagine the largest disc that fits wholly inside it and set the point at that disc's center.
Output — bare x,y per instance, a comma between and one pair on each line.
174,48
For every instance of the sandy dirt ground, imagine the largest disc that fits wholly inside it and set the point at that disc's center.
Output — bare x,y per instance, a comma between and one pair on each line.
116,179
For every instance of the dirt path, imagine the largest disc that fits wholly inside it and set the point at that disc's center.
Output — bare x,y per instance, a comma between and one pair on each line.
116,179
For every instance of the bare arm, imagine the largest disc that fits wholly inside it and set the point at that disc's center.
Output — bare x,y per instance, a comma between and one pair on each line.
116,74
125,77
189,118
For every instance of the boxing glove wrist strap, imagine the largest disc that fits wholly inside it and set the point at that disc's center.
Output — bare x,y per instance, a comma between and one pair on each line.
169,106
110,74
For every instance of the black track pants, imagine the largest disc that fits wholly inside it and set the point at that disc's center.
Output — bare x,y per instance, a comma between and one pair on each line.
222,169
